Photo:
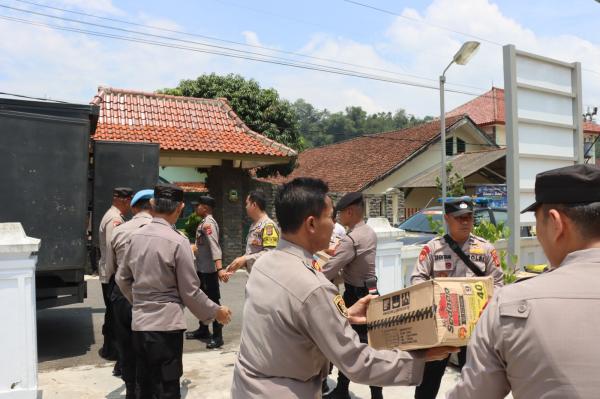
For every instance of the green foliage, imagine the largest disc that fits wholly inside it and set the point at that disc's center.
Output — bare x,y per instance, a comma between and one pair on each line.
191,225
493,233
261,109
322,127
455,184
436,225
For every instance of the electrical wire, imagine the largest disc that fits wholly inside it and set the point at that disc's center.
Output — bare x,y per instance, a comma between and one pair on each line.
329,60
32,98
243,55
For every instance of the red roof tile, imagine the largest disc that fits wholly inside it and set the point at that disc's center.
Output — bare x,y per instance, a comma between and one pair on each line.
355,164
488,109
192,186
179,124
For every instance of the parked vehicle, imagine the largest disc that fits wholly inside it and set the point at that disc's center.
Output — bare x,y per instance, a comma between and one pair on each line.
57,182
418,227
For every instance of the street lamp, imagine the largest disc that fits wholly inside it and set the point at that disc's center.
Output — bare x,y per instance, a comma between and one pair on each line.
462,56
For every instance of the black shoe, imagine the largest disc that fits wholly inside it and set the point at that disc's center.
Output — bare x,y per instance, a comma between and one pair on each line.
116,370
200,334
106,355
215,342
337,394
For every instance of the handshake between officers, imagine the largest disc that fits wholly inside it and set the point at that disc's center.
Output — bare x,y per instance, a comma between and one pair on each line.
299,321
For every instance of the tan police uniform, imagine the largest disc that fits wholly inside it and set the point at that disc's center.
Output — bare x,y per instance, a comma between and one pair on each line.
539,338
120,239
207,244
355,256
120,305
298,323
111,219
437,259
159,278
262,236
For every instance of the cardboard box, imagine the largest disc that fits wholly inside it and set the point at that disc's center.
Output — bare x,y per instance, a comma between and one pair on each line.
437,312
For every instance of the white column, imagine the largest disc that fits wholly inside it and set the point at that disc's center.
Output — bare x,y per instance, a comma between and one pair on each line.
18,335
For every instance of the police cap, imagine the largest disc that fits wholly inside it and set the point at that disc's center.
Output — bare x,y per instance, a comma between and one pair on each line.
349,199
142,195
458,206
122,192
168,191
207,200
576,184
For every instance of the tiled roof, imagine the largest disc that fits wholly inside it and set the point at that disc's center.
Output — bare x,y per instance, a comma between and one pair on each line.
354,164
179,124
488,109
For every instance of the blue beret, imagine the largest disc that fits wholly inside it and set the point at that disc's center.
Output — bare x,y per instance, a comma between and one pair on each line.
142,195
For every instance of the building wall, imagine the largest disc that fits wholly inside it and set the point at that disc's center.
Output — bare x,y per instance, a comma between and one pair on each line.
181,173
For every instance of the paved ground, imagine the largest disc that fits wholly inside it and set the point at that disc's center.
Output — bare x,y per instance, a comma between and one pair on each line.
70,368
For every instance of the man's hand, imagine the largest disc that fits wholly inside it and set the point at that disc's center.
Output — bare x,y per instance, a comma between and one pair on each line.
194,248
237,263
439,353
223,275
357,313
223,315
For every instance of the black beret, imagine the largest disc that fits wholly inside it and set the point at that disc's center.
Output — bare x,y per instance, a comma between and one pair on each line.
348,199
122,192
207,200
458,206
576,184
168,191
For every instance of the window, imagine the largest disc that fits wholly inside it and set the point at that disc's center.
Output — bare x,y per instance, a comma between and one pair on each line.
481,215
461,146
500,216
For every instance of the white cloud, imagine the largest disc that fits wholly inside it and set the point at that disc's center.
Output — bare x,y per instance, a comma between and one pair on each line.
70,66
102,6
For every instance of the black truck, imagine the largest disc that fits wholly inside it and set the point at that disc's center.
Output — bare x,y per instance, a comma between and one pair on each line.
57,181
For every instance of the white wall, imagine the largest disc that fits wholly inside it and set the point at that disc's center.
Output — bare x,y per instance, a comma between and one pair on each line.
424,161
181,174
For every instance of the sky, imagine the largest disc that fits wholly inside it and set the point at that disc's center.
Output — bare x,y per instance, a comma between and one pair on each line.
405,41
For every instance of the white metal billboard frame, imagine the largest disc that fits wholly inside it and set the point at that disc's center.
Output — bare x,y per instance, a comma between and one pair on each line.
514,87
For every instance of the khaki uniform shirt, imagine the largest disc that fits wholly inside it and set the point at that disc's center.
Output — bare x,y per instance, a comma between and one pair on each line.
120,240
207,244
111,219
355,256
437,259
262,236
539,337
294,322
159,278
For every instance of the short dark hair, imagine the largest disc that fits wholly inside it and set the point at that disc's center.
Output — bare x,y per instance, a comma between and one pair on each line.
259,198
143,204
299,199
165,206
586,216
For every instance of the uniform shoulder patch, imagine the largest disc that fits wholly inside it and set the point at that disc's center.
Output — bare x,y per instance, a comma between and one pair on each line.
339,303
207,229
424,252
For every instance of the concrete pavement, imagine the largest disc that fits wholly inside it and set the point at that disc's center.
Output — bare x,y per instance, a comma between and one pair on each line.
70,368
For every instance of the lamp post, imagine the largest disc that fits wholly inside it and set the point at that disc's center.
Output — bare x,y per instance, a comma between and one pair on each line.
462,56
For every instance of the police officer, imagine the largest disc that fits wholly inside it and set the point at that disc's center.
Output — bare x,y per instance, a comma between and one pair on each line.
140,208
457,254
262,236
113,217
209,267
158,277
539,338
299,320
355,257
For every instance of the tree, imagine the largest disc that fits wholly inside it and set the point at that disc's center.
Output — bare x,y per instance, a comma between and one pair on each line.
261,109
455,184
